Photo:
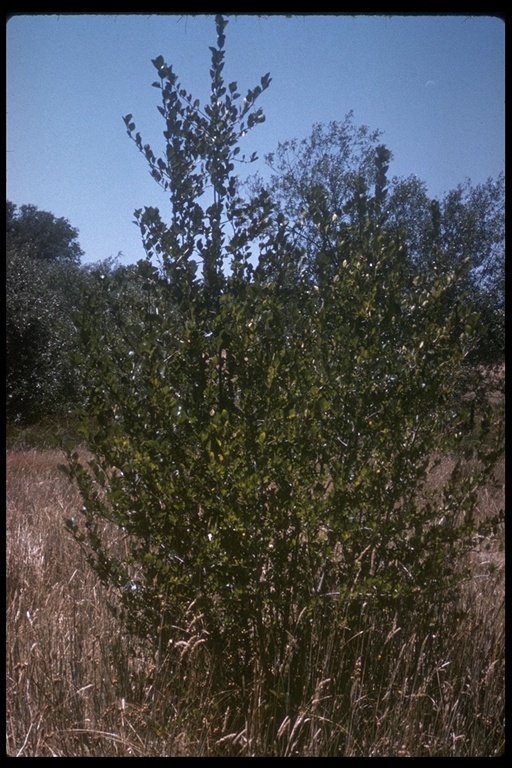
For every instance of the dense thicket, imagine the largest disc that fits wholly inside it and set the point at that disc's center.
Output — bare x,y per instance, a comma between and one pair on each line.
264,420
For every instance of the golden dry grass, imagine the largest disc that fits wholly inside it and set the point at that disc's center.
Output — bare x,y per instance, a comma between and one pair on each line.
77,686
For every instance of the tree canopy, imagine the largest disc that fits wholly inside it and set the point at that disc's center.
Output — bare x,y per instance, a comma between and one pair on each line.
332,189
41,235
43,282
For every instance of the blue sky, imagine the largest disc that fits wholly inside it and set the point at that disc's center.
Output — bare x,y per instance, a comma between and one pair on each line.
435,86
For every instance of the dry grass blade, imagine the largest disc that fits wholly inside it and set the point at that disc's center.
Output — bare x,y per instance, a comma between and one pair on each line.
129,748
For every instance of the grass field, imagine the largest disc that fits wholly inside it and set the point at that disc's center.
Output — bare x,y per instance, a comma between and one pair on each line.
78,686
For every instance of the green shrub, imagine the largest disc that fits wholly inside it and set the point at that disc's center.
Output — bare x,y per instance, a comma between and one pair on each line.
265,444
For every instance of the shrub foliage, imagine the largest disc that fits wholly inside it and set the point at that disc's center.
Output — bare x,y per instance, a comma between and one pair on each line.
265,440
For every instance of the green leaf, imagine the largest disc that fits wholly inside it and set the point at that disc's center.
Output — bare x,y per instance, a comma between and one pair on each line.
158,63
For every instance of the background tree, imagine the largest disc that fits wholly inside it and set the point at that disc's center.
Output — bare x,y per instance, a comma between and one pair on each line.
321,184
41,235
332,186
42,292
472,227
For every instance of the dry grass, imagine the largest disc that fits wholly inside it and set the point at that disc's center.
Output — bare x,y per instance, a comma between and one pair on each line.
77,686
